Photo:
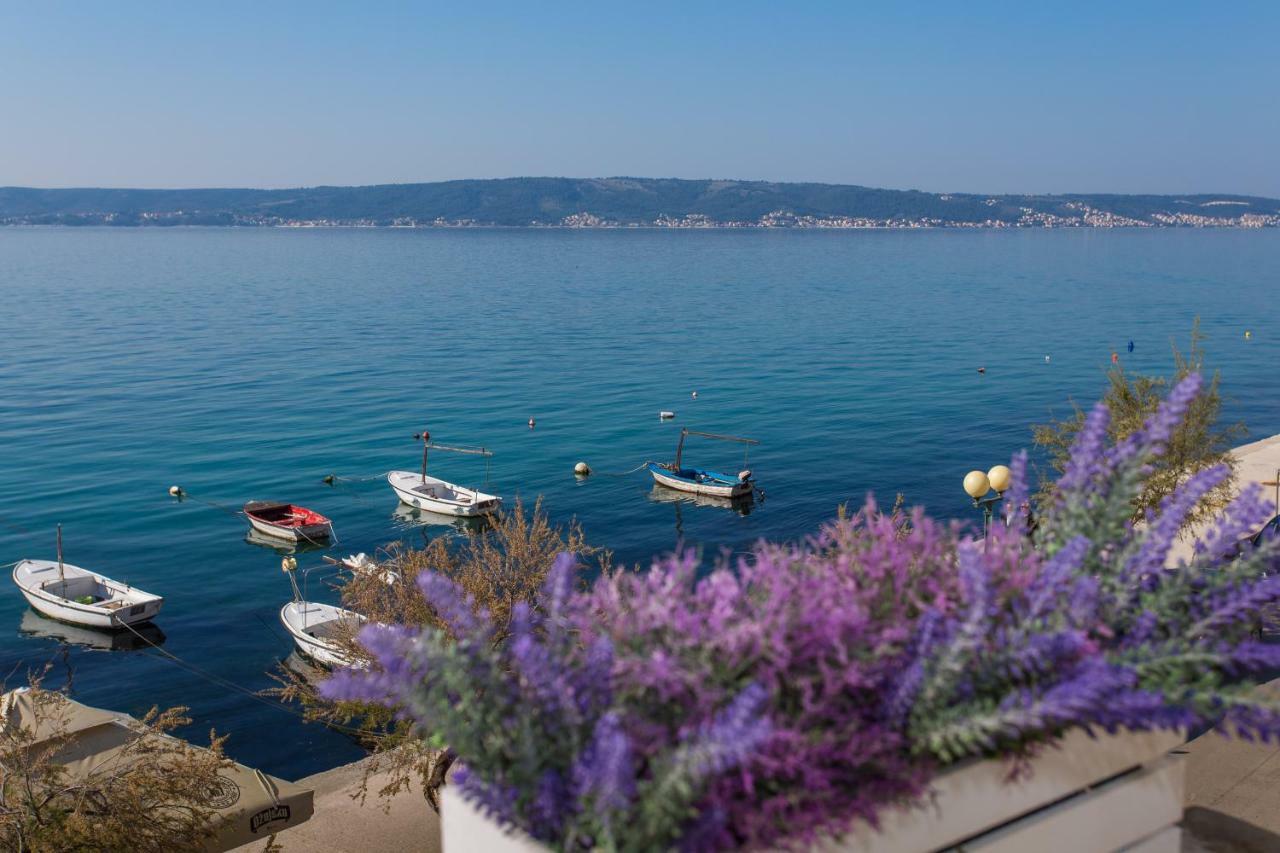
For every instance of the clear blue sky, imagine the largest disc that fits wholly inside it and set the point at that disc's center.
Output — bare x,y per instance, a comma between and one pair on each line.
1008,97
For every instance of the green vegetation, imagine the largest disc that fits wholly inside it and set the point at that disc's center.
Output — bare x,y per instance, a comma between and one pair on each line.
1199,442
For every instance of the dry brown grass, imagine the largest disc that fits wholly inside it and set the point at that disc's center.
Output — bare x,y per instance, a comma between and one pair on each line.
149,797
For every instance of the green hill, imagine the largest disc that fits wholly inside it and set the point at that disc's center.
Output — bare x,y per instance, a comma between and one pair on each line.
616,201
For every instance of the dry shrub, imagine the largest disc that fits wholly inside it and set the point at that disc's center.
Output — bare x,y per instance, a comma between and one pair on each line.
499,565
148,797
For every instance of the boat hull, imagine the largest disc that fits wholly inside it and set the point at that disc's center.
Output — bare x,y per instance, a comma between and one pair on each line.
430,495
127,606
294,617
306,533
709,484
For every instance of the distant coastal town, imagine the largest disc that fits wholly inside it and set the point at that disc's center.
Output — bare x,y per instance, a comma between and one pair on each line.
1088,218
617,203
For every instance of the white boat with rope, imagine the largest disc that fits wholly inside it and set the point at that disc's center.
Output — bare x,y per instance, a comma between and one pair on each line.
316,628
71,594
702,481
423,491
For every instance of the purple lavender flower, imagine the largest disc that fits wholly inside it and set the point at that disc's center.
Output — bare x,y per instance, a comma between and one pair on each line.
604,775
1174,510
1086,460
730,738
455,609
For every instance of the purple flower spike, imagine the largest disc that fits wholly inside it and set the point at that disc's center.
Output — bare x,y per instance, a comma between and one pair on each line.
1086,460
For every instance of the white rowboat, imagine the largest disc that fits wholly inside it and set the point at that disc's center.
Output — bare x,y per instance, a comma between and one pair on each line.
81,597
431,493
313,627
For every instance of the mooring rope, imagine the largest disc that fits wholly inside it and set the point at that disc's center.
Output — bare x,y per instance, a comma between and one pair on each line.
187,496
330,479
639,467
237,688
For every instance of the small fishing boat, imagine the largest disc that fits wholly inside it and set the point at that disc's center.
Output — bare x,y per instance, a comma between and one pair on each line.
288,521
315,626
435,495
71,594
423,491
703,481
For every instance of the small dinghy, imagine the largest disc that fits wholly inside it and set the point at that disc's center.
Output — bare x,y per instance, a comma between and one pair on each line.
314,626
435,495
71,594
288,521
702,481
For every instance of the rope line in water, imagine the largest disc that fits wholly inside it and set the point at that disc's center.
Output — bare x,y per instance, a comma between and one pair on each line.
338,478
238,688
639,467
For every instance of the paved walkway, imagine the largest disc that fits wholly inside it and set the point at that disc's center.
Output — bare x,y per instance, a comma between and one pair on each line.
342,825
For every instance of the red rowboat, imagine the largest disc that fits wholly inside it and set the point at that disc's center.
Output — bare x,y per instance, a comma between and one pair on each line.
288,521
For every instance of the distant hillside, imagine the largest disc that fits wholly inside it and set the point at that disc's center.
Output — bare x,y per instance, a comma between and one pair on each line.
622,202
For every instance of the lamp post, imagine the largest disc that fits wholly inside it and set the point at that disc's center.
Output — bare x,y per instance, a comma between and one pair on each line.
978,485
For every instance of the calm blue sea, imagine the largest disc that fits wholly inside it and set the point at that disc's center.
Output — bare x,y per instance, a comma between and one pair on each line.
251,363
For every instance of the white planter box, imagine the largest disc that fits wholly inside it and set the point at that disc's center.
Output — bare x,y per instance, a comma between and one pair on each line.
1115,792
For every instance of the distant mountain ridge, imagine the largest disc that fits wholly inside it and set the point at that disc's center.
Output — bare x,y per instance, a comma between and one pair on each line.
623,202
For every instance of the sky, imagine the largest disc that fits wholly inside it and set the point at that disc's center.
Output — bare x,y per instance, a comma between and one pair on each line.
1130,97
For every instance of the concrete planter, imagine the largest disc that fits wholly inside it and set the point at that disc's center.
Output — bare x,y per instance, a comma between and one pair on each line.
1110,793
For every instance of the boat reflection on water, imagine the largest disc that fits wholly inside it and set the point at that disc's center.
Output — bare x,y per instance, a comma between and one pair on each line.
304,668
406,517
35,625
282,546
742,505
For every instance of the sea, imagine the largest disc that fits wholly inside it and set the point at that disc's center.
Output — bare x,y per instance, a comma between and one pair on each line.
252,363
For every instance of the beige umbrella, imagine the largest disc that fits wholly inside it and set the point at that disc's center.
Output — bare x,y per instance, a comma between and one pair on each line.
248,804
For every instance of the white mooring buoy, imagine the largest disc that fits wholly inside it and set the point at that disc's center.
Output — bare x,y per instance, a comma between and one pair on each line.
582,469
666,416
176,491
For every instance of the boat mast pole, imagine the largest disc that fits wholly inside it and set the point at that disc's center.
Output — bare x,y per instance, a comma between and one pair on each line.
680,447
61,574
426,442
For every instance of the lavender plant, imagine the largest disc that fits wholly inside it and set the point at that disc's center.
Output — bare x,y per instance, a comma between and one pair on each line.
531,716
823,627
813,685
1093,627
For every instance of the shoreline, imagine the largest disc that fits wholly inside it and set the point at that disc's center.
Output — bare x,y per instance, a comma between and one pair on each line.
964,227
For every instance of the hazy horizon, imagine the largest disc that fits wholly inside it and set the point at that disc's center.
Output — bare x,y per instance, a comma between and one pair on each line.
992,98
